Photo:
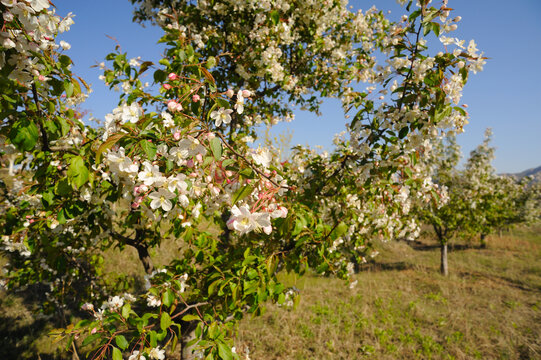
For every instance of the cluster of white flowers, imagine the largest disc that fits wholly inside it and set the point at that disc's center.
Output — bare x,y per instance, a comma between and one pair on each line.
153,354
11,246
121,115
39,29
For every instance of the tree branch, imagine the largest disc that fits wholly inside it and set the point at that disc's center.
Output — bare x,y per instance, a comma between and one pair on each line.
140,246
44,137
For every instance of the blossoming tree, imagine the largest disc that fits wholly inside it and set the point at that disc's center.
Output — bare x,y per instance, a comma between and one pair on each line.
497,200
478,201
171,159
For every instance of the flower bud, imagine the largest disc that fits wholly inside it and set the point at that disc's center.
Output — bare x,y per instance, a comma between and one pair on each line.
172,105
229,93
172,76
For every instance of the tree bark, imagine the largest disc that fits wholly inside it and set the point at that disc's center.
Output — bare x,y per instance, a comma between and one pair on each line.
141,247
144,256
483,241
444,269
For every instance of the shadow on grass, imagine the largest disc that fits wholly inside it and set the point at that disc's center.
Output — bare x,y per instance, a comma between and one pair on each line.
20,327
17,340
421,246
391,266
517,284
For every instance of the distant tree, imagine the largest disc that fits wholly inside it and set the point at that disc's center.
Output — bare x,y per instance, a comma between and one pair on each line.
448,216
476,201
495,201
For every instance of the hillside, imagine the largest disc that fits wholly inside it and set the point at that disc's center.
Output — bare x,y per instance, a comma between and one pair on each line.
534,172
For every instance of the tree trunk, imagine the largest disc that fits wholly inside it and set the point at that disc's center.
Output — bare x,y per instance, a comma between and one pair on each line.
444,269
141,247
483,241
144,256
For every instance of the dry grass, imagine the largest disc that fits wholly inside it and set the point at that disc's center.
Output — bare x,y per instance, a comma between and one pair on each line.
488,308
402,308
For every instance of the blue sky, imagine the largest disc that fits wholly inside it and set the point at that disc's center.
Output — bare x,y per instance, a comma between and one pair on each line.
505,96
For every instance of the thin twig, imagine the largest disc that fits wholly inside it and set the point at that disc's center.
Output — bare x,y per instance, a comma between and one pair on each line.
188,308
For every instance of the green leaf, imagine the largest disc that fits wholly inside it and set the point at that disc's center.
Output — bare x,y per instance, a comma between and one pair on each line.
126,309
63,187
227,162
242,193
211,62
216,147
440,115
222,103
164,62
168,297
275,17
159,76
436,28
340,230
111,140
403,132
78,173
24,134
174,342
64,60
47,198
68,87
414,15
117,354
247,173
224,351
300,224
149,149
90,339
190,317
153,339
121,342
165,321
64,125
426,29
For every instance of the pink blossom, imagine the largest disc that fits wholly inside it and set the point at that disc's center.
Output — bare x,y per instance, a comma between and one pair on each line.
172,76
173,106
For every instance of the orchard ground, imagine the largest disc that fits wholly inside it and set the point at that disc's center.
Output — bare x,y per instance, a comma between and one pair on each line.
401,308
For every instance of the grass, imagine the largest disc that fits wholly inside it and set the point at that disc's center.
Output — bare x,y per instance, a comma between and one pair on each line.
402,308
